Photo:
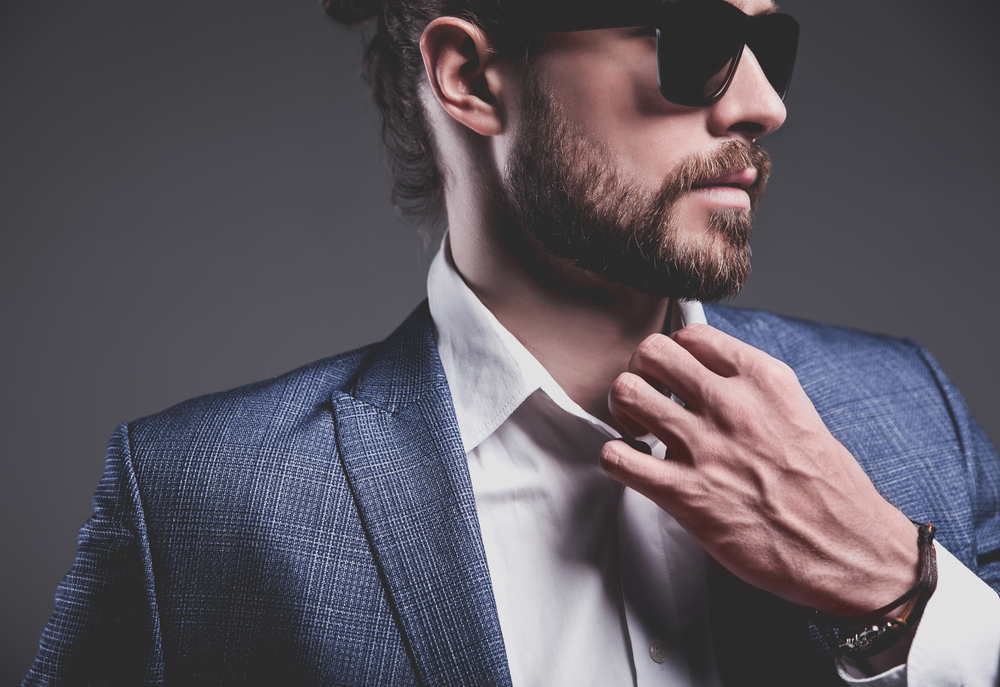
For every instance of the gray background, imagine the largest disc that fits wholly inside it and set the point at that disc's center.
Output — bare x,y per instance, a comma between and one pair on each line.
192,197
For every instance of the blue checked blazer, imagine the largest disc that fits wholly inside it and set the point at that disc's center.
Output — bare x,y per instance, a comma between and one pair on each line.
319,528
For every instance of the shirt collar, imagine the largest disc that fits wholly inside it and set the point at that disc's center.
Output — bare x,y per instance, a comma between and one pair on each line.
490,373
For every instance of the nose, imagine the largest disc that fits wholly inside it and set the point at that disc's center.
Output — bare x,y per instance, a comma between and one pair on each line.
751,107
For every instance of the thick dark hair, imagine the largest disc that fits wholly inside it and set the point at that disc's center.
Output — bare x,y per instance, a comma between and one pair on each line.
394,67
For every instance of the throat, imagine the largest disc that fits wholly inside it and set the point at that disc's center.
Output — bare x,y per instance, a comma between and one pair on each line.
585,347
582,329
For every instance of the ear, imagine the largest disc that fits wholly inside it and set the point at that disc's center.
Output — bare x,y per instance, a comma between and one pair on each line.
461,68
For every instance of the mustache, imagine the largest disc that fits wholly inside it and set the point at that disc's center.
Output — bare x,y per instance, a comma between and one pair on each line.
729,158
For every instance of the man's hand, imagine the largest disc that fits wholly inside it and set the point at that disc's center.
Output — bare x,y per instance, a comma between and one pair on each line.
755,476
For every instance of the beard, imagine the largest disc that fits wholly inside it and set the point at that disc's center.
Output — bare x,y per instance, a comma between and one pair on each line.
566,192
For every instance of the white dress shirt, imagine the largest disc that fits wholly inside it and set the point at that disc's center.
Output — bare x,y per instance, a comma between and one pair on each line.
594,584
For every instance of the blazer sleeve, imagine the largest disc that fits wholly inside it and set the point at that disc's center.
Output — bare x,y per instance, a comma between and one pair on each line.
105,628
983,468
987,493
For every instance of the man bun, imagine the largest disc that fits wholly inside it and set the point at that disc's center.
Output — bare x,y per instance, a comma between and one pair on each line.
351,12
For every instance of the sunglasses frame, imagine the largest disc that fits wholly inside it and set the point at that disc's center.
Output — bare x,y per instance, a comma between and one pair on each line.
772,37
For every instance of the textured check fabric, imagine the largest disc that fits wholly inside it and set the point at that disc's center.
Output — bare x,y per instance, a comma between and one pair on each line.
319,528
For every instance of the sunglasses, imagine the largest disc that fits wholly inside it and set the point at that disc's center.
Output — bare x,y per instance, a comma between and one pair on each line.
699,43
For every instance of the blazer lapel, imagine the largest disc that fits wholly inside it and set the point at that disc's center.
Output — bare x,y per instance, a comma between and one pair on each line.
402,453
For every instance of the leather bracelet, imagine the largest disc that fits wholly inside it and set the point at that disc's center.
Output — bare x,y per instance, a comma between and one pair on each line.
864,635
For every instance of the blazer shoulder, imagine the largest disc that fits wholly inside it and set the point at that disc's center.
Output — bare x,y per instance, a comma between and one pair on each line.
805,343
852,376
275,406
291,415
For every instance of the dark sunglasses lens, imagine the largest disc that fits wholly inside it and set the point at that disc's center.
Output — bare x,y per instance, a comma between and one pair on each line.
698,48
774,40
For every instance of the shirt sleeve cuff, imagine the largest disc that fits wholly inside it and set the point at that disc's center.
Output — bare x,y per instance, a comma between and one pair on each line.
957,641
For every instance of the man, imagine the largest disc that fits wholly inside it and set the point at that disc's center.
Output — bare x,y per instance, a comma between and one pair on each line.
431,509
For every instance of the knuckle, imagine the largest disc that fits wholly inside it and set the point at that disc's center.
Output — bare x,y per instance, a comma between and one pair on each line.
759,364
611,455
625,388
692,333
715,395
785,373
783,376
651,347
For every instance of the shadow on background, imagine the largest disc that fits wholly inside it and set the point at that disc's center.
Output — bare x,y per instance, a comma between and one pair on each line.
192,197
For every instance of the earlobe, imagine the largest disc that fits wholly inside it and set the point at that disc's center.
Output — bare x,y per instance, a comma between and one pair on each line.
459,61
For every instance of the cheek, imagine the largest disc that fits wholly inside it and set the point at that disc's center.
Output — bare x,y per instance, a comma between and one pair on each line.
652,148
590,87
612,96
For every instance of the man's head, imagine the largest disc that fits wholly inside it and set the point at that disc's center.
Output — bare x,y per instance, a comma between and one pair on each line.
568,137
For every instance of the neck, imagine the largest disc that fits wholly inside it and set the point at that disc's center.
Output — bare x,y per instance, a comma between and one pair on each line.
581,329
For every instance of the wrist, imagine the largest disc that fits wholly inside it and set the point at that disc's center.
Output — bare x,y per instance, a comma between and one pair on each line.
873,633
887,566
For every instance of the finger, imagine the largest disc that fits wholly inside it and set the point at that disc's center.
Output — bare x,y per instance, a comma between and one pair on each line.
721,353
631,427
633,402
662,360
666,483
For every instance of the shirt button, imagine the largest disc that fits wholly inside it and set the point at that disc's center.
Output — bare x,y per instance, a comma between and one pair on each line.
658,650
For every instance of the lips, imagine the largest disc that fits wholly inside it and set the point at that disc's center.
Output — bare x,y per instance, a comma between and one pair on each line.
744,179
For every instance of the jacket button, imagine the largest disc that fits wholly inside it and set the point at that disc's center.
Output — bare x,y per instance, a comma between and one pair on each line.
658,650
